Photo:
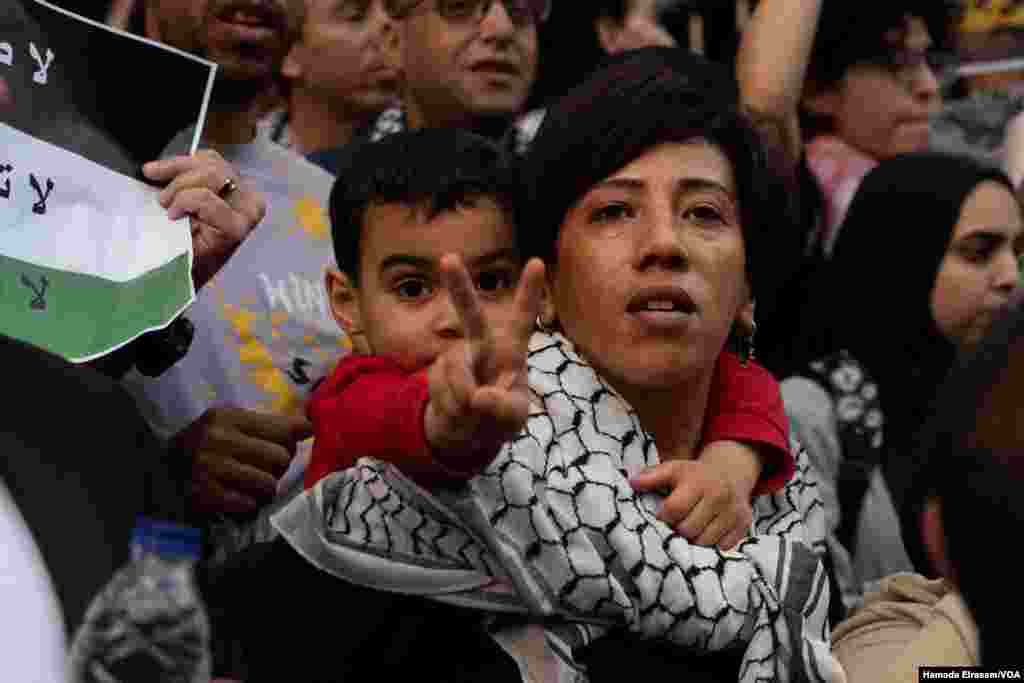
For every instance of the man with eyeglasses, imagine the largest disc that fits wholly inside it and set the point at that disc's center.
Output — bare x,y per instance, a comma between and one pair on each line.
466,63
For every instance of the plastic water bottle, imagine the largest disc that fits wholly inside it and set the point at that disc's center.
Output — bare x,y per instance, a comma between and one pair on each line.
149,623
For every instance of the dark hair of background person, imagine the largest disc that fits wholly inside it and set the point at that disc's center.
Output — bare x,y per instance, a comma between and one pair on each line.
970,457
569,47
873,298
137,19
850,33
632,103
436,168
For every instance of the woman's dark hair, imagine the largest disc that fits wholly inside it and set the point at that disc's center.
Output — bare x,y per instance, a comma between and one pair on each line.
970,458
633,103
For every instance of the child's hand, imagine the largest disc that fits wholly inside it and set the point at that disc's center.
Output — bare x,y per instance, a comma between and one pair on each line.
478,391
709,499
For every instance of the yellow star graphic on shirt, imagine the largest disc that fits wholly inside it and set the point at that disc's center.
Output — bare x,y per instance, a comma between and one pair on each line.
312,218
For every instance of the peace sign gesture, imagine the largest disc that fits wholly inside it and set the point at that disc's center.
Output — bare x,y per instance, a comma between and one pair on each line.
478,391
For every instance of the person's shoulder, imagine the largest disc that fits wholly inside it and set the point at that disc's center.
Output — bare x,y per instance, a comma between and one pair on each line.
802,395
333,160
287,171
356,366
296,163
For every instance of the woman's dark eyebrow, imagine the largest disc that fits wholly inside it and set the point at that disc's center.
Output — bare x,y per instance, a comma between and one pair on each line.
683,185
688,185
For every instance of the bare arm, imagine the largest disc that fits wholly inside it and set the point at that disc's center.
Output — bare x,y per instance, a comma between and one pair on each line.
771,67
1014,160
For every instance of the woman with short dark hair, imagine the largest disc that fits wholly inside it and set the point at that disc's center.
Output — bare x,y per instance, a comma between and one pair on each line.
648,196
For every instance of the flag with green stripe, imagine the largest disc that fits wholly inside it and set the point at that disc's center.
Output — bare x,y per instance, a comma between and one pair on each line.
88,258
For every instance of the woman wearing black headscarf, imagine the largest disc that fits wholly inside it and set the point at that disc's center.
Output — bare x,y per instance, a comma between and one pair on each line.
965,501
928,255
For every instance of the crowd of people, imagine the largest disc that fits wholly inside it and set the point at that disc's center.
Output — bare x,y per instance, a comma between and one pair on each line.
540,340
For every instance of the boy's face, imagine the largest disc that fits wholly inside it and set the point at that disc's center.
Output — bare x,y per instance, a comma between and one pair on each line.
400,304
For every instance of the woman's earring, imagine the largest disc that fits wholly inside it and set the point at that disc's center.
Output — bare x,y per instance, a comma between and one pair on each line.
547,327
747,346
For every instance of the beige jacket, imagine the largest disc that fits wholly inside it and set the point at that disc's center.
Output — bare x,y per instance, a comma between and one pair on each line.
909,622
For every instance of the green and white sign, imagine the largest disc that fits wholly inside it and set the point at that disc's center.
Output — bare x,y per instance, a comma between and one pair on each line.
88,258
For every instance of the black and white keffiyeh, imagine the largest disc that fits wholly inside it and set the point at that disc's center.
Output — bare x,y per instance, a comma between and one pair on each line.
517,139
552,529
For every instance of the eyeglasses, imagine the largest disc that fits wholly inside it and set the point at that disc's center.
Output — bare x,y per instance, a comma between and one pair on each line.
906,65
520,12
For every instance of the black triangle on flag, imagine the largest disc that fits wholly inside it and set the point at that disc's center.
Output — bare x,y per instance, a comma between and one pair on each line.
108,96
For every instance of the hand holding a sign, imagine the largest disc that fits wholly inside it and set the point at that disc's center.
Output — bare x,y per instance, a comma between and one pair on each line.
222,210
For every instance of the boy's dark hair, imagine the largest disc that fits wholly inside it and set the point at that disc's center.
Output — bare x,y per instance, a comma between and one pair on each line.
970,458
634,102
437,169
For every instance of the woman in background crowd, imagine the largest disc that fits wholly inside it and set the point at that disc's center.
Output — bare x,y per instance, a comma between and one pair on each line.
950,229
963,505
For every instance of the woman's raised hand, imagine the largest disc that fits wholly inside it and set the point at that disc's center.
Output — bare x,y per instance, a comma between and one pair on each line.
478,391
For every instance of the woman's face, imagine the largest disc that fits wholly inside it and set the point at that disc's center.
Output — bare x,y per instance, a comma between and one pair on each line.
650,270
980,269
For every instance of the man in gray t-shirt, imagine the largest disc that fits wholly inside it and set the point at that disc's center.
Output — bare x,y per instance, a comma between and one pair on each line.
264,334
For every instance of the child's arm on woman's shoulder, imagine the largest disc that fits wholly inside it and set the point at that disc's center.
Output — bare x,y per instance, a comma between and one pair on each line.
745,406
746,454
